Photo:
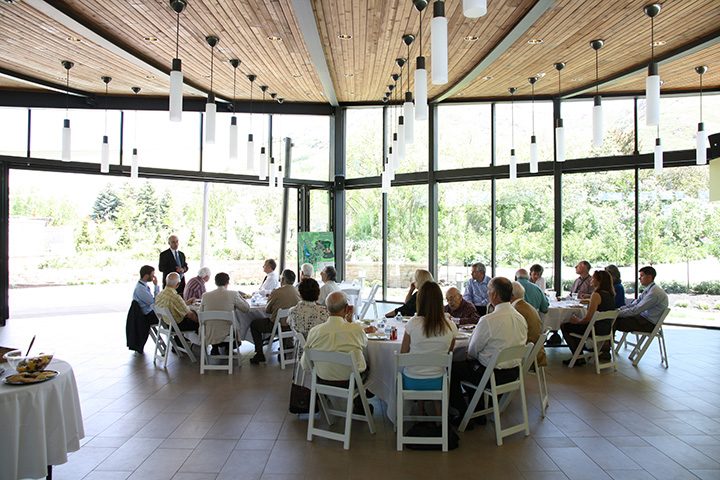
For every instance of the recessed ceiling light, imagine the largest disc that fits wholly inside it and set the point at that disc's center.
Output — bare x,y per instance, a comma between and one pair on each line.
73,39
577,80
322,93
345,37
487,78
461,94
150,39
150,77
540,75
308,93
351,93
9,1
349,74
535,41
471,38
658,43
296,75
205,76
274,39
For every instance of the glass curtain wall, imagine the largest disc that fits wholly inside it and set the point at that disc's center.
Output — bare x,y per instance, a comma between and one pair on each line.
407,237
363,236
619,131
364,145
464,136
15,131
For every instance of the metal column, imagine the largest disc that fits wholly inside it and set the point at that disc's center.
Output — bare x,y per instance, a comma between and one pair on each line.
432,190
557,177
337,141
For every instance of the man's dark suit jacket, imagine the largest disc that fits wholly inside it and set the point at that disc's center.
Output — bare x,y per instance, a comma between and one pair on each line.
168,265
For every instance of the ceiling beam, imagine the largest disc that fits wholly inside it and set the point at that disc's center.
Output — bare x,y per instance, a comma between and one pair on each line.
687,49
308,27
57,12
507,41
36,82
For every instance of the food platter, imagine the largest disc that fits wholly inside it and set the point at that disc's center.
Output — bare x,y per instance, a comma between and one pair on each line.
30,378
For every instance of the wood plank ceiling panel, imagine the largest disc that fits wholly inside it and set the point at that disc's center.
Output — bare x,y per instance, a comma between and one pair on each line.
363,65
569,26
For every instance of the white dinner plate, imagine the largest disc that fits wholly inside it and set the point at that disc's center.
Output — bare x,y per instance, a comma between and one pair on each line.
462,335
376,336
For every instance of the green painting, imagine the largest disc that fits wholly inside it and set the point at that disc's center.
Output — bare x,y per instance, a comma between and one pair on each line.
317,249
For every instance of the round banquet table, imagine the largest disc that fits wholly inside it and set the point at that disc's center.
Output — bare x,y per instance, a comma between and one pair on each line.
39,424
561,312
380,359
245,319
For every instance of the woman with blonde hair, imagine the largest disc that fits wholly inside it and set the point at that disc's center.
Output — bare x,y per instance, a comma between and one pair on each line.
409,308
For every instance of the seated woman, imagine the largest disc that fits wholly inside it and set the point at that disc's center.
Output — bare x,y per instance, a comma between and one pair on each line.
428,332
602,300
306,314
536,272
617,285
410,307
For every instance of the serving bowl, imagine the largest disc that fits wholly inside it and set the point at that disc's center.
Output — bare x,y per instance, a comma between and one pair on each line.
28,363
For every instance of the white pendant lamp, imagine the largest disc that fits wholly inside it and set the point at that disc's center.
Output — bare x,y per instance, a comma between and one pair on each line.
652,83
474,8
250,158
513,160
271,173
409,106
66,134
176,75
280,177
597,101
658,157
135,162
210,106
421,108
701,139
263,153
438,43
262,174
401,137
233,145
105,149
559,128
533,139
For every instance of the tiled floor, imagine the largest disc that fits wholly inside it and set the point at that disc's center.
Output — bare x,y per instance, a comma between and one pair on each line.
144,422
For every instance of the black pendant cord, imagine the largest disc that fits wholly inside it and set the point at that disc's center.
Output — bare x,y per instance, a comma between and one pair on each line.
234,80
701,99
67,93
597,75
177,38
533,108
512,120
420,34
652,38
106,106
251,104
212,65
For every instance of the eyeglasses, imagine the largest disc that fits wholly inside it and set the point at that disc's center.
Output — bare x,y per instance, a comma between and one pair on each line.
452,296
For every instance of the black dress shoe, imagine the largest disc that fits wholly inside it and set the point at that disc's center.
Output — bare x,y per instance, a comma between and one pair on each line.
578,363
359,410
258,358
456,420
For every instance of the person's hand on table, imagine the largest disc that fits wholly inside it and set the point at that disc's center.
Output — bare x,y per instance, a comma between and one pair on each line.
391,314
190,301
370,329
574,320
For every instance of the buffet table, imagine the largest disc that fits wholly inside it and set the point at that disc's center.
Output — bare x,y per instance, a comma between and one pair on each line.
39,424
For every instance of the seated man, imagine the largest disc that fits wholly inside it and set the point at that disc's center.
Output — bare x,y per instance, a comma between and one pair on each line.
284,297
582,286
169,298
328,276
306,314
644,312
270,282
306,271
196,286
502,328
459,308
224,300
141,316
338,334
533,295
476,290
532,319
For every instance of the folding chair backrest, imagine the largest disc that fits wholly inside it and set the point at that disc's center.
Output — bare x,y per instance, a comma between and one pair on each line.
216,315
370,300
345,359
518,352
608,315
163,314
423,359
282,313
300,340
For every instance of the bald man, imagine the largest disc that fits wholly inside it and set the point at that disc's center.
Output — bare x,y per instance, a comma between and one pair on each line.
460,309
172,260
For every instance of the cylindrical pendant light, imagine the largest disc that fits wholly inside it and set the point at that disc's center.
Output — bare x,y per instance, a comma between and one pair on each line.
513,160
401,137
421,108
271,173
533,139
597,100
250,157
559,127
408,106
176,75
701,139
210,106
66,134
652,83
105,149
233,145
263,155
439,47
263,167
658,157
135,162
474,8
280,177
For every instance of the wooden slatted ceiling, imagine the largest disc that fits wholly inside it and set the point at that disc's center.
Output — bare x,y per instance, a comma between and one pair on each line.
377,27
567,30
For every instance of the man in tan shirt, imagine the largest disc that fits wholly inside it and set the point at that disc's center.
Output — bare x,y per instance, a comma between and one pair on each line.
532,318
284,297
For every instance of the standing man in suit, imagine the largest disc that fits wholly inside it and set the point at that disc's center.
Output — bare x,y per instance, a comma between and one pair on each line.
172,260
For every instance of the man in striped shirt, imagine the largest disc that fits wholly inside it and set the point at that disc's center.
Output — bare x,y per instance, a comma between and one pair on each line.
196,286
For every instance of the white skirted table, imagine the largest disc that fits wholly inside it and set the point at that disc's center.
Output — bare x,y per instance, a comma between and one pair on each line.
561,312
39,424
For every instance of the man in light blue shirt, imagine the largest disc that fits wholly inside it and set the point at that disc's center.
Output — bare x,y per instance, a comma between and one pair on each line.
476,291
533,295
143,294
645,311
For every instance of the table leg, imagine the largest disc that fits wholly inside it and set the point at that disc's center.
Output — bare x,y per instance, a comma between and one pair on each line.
49,470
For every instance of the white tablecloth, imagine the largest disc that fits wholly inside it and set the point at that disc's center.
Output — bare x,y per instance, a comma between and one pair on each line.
380,358
39,424
245,319
561,312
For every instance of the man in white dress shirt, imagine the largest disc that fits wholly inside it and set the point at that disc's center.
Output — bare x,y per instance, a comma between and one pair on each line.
503,328
271,281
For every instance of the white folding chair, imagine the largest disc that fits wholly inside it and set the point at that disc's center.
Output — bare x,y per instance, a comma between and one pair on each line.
280,335
221,317
299,347
167,329
643,341
539,372
370,301
425,360
519,352
353,294
355,388
597,341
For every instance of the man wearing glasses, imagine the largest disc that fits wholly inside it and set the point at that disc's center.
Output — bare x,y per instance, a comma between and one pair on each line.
460,310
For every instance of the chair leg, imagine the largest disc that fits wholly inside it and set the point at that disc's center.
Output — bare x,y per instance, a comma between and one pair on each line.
399,425
524,407
496,415
645,345
348,419
542,388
